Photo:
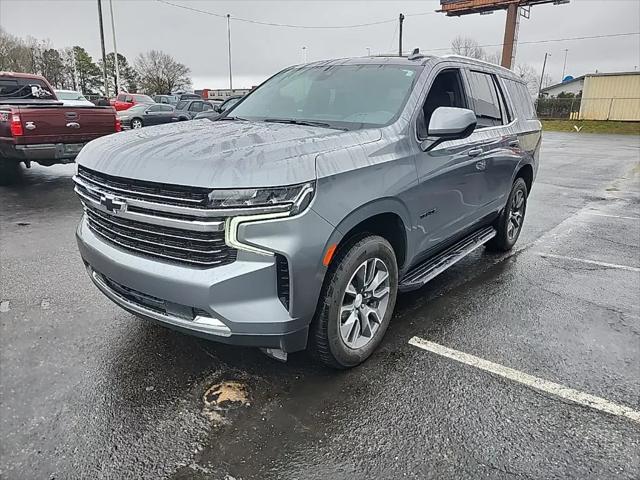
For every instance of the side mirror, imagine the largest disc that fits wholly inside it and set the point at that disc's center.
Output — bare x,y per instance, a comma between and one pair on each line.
450,123
217,109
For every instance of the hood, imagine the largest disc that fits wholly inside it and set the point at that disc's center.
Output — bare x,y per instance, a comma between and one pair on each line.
228,154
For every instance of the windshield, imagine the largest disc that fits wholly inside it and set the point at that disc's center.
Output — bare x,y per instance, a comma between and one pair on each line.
143,98
181,105
342,96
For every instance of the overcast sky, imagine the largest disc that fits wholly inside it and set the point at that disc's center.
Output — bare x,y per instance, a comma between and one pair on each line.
200,41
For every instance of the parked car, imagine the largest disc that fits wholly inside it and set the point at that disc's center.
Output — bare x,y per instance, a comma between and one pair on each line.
190,108
36,127
294,220
166,99
144,115
72,98
128,100
218,110
188,96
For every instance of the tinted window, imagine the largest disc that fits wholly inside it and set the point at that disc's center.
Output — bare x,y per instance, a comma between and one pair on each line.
155,108
166,108
181,105
485,99
19,87
445,91
521,99
350,96
195,107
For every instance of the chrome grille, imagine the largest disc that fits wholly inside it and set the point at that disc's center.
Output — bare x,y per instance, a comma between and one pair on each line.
153,228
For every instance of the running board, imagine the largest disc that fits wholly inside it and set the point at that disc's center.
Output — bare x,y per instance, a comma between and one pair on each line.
427,270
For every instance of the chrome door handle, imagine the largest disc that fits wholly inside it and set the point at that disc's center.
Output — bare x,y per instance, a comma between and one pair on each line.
474,152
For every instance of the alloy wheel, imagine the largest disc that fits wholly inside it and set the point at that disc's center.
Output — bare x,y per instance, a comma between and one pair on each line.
136,124
516,214
364,303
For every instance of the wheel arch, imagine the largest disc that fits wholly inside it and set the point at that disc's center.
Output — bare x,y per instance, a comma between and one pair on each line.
386,217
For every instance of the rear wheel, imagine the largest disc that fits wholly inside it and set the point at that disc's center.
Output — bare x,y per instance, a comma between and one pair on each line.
509,223
9,171
136,123
356,303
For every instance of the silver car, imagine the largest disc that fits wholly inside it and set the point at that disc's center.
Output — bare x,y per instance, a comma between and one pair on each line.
294,220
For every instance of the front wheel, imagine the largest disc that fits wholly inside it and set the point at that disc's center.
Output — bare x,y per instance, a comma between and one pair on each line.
509,223
136,123
356,303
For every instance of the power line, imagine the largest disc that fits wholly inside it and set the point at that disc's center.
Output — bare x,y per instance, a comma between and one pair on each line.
531,42
289,25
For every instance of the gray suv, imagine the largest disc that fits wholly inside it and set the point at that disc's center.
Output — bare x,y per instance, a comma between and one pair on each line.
293,220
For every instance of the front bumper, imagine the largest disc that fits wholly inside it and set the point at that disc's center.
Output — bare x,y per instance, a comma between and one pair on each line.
236,303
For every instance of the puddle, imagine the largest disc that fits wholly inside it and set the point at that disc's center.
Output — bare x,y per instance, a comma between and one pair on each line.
222,397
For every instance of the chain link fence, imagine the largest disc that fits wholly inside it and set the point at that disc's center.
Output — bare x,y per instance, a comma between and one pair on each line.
625,109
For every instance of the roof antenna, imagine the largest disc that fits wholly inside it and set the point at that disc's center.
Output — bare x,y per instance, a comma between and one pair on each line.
415,55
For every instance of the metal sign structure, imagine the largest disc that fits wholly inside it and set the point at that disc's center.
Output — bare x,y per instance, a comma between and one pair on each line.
456,8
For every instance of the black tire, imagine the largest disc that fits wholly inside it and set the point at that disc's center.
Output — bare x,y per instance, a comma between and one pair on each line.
9,172
505,238
326,344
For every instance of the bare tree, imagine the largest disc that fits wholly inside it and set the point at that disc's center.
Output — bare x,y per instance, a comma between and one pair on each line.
467,46
159,72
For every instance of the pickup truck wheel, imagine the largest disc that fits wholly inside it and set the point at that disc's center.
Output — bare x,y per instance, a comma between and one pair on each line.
509,223
356,303
9,172
136,123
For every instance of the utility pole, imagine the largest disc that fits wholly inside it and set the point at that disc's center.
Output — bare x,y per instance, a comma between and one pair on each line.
229,41
544,66
401,19
104,56
564,68
115,49
510,35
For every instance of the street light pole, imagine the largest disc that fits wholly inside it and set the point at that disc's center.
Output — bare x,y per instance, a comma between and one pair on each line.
401,20
115,49
304,54
368,52
544,66
104,56
564,68
229,41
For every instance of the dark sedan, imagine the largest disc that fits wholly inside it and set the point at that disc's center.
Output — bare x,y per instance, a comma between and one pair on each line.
140,116
218,110
190,108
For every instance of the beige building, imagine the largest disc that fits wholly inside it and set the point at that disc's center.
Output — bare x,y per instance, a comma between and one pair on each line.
611,96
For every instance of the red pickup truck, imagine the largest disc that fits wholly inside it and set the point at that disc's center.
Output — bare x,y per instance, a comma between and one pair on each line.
125,101
36,127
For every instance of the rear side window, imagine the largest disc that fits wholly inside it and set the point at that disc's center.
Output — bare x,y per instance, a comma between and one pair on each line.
521,99
486,100
196,107
155,108
181,105
166,108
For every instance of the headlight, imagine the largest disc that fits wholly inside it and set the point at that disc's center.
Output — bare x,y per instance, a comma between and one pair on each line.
269,204
293,199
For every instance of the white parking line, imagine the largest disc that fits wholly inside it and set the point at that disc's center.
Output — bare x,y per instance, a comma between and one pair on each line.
556,389
591,262
600,214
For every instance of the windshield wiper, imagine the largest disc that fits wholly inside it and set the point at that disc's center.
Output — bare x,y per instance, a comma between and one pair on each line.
309,123
233,118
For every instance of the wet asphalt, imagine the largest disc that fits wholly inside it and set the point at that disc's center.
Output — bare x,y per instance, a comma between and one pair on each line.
89,391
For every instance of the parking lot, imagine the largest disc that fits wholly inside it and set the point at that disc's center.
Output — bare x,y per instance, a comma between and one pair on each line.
90,391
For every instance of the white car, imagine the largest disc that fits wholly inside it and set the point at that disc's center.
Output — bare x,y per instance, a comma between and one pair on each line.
72,99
